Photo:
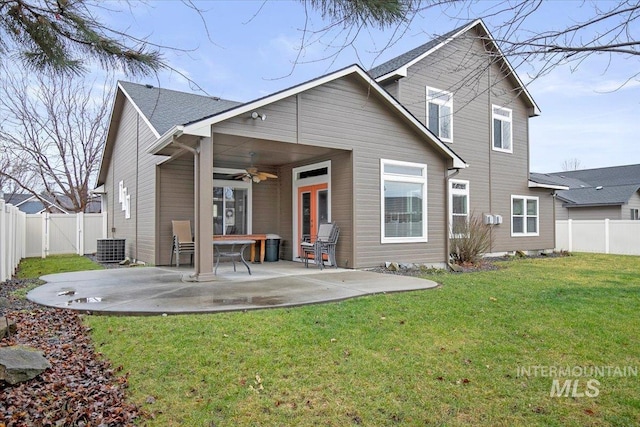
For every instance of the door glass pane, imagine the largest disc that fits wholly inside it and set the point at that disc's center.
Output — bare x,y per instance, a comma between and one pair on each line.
323,207
306,214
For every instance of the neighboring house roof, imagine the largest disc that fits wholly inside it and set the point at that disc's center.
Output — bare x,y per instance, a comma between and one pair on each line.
398,66
165,108
598,196
203,127
594,187
30,204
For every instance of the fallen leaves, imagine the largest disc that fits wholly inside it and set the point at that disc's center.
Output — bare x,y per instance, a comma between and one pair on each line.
80,389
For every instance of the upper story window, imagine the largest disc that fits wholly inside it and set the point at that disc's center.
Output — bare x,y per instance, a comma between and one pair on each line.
404,201
440,113
502,129
524,216
634,214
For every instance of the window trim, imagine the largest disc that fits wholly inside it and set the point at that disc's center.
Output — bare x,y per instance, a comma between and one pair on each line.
525,216
438,102
240,185
409,179
493,119
452,192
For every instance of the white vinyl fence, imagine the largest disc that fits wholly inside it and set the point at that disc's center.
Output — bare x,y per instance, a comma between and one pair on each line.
12,239
54,234
600,236
40,235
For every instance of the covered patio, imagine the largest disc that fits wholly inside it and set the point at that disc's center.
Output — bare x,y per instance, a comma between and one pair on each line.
163,290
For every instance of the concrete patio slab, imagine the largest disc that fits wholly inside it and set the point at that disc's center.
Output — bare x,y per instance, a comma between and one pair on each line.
164,290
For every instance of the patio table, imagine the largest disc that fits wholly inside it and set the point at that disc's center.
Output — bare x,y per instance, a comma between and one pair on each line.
261,238
219,244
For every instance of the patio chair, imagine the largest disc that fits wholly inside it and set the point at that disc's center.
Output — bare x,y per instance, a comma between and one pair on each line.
183,242
324,244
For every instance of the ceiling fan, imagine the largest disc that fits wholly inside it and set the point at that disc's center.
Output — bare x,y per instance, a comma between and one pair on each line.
253,174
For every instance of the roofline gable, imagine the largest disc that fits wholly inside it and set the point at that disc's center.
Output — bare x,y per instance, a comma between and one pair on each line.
144,117
203,127
402,71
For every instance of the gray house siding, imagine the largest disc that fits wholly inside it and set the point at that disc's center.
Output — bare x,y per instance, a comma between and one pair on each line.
597,212
634,203
493,176
130,163
175,202
346,116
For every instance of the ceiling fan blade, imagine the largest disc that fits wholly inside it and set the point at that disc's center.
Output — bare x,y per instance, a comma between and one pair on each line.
268,175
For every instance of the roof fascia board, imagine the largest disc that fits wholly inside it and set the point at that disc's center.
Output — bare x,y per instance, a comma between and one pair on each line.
533,184
144,118
203,127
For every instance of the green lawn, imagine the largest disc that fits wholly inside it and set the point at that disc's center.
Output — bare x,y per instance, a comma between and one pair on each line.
449,356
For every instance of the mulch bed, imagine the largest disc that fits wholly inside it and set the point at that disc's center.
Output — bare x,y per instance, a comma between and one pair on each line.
80,389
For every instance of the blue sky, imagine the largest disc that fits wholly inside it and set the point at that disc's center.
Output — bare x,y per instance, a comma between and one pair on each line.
253,49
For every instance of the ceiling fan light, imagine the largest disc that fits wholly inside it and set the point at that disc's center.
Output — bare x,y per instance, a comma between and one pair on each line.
256,179
246,178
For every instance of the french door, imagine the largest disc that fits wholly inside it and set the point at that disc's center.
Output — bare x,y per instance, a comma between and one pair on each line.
313,209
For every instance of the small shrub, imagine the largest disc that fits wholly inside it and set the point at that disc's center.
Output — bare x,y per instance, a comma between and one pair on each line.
469,241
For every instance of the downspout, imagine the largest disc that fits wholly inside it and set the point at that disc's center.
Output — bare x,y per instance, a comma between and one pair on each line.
447,226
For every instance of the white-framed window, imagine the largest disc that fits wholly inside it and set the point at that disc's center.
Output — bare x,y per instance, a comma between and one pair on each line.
502,129
232,203
458,206
403,192
440,113
525,217
634,214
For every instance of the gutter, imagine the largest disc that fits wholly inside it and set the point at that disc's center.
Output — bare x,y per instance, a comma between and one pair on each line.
167,139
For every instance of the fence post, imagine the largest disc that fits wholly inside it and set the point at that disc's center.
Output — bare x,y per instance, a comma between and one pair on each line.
80,233
3,244
45,234
606,235
570,233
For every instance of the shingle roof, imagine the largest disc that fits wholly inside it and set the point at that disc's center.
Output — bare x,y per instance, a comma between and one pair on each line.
405,58
598,196
165,108
549,179
615,175
596,187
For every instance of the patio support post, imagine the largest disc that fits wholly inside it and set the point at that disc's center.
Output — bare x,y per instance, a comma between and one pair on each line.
203,228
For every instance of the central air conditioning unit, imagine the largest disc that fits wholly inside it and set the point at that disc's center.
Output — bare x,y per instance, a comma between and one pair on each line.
110,250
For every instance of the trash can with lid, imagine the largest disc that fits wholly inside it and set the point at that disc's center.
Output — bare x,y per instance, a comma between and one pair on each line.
272,248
